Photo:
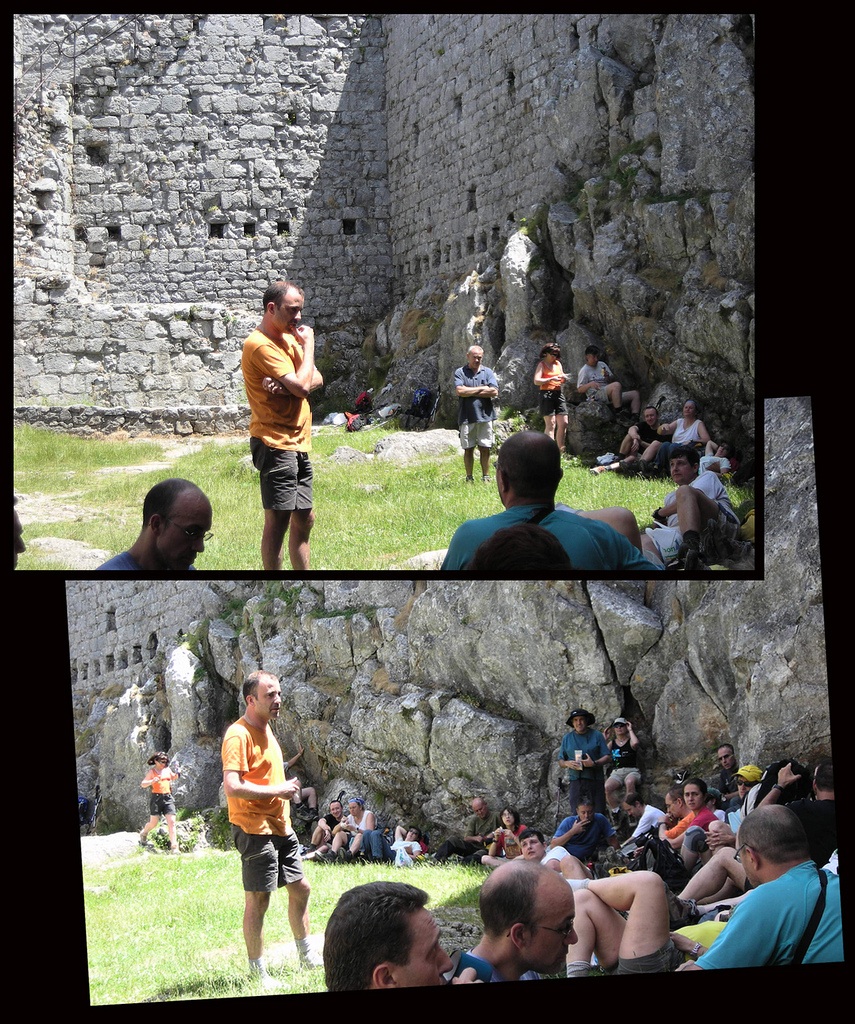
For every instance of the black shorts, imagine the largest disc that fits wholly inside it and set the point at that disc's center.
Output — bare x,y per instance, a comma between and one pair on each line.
268,861
286,477
552,403
161,803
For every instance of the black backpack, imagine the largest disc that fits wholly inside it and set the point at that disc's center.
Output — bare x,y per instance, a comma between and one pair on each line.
661,857
797,791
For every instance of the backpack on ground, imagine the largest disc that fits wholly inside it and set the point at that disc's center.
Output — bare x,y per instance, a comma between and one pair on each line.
354,421
661,857
364,402
422,409
87,811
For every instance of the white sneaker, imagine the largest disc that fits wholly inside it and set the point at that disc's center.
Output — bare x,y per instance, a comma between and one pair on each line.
311,960
269,984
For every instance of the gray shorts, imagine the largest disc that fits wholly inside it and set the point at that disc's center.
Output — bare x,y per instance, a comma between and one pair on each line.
622,774
286,477
268,862
666,958
476,434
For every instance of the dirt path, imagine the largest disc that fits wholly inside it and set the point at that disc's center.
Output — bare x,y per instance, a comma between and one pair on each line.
36,507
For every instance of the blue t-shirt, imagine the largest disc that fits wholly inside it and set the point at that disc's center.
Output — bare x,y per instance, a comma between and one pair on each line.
475,409
765,928
495,976
595,835
124,561
591,742
591,544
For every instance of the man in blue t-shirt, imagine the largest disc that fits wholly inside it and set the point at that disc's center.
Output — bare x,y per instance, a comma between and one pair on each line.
528,471
176,523
476,387
767,926
583,832
528,913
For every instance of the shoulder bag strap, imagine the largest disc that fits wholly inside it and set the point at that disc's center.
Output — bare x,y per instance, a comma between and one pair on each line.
806,939
541,514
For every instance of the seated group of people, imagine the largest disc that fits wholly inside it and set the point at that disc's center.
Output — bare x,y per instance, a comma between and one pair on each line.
647,446
357,834
544,914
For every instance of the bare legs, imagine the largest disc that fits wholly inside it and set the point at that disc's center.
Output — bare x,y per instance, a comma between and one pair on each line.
170,828
469,460
720,878
276,523
620,519
602,930
255,907
555,426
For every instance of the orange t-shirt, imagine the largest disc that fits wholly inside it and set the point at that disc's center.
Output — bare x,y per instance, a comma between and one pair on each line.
280,421
162,779
257,756
681,826
552,373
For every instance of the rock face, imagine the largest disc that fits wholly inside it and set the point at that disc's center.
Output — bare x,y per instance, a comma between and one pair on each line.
418,693
581,176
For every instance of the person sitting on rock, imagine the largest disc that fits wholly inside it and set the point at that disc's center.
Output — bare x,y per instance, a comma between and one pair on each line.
624,744
479,831
584,832
640,445
687,431
597,382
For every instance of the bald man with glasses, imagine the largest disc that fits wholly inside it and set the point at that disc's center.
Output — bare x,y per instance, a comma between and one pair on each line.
176,525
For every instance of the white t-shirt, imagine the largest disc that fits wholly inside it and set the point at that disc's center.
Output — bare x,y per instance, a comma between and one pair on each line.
651,816
556,853
710,485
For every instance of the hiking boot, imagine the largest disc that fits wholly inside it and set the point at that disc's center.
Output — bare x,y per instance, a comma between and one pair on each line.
470,480
681,912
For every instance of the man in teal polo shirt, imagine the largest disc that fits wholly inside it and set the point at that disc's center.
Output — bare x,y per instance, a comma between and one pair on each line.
528,471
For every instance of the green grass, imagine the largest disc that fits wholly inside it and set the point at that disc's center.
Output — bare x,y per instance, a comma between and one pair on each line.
369,517
169,928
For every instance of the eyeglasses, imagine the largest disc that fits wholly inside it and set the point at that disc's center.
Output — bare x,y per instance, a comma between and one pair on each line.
738,857
563,932
193,532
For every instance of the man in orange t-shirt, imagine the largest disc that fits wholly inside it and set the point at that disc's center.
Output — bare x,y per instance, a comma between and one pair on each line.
278,365
259,798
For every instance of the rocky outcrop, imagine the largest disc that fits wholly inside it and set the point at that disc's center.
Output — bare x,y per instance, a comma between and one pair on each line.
419,692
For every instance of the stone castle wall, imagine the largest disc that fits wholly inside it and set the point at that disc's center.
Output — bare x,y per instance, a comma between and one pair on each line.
192,158
213,153
466,95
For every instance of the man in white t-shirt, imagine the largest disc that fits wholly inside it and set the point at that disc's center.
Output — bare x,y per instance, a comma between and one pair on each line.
558,859
699,498
646,815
